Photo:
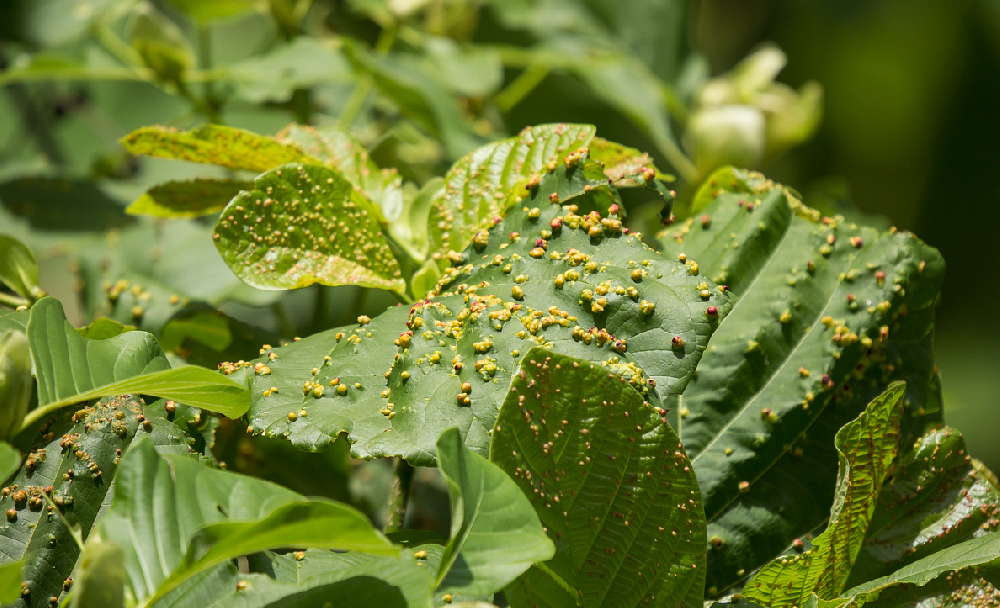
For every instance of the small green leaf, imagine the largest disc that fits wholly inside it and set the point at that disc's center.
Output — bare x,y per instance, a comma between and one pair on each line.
71,368
495,534
100,581
191,198
18,269
103,328
611,483
160,43
214,144
10,460
15,381
206,327
305,224
204,517
866,448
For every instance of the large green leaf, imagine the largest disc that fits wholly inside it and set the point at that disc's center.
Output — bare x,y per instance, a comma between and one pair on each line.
188,198
18,268
77,454
495,533
71,368
866,448
205,517
214,144
477,187
611,483
305,224
829,314
608,299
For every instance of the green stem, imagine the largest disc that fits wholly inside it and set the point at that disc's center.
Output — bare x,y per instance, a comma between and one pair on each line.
519,88
13,301
399,494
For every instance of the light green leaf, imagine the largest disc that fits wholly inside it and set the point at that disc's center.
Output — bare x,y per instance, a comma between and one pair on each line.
191,198
71,368
18,269
305,62
477,188
211,10
103,328
305,224
100,581
866,448
611,484
160,43
10,581
210,516
15,381
78,454
495,534
10,460
213,144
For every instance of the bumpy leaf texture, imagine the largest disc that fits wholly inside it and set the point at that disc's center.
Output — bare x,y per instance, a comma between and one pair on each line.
544,275
611,483
214,144
828,314
866,447
77,455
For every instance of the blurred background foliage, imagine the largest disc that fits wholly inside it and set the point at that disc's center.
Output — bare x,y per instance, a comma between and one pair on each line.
886,112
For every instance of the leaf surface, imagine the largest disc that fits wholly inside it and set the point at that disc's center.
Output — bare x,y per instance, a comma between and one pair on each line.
214,144
18,268
190,198
305,224
866,448
611,484
78,455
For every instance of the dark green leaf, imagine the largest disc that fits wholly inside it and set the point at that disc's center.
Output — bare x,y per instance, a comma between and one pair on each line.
77,454
213,144
305,224
495,533
188,199
611,483
821,327
866,448
62,204
211,516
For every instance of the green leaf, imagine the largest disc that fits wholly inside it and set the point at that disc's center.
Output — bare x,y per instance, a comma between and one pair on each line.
14,319
71,368
10,581
15,382
866,448
207,327
77,453
188,198
62,205
211,516
473,330
18,269
211,10
100,581
214,144
495,533
160,43
274,76
305,224
10,460
820,329
974,553
477,187
611,484
103,328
